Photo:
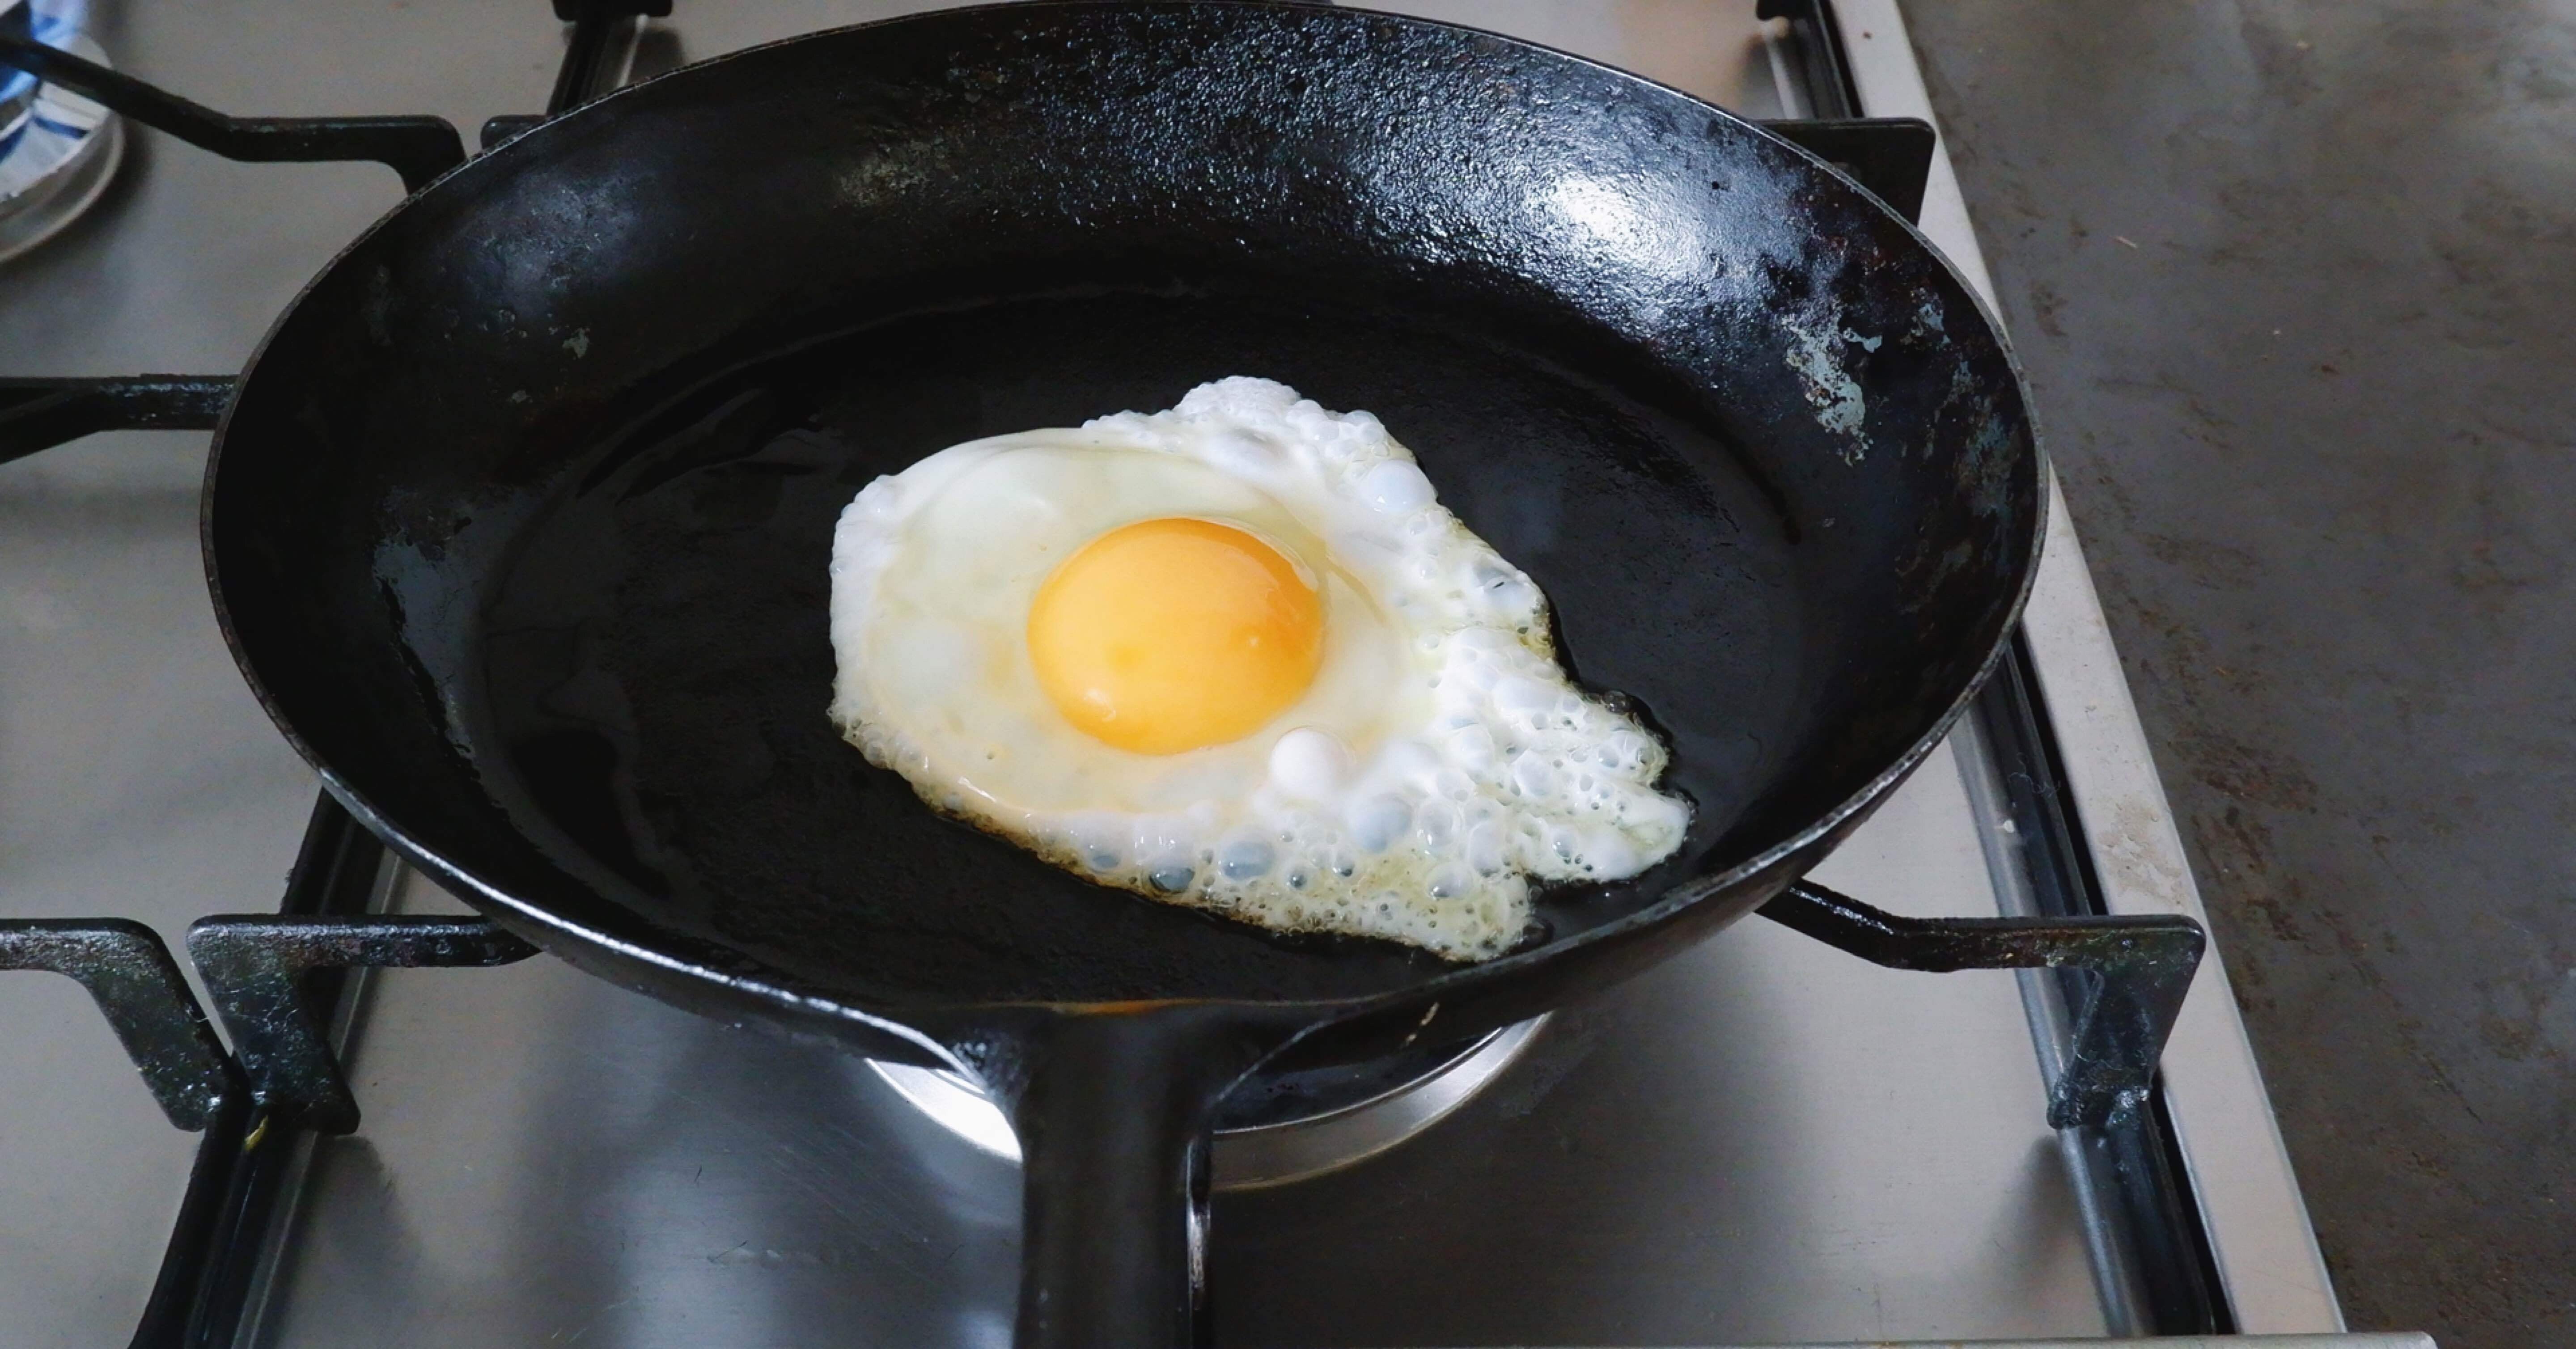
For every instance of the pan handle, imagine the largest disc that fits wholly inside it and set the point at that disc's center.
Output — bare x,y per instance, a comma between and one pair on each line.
1114,1111
38,413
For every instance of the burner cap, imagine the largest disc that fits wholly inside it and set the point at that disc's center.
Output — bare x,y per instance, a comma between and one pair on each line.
1280,1126
58,159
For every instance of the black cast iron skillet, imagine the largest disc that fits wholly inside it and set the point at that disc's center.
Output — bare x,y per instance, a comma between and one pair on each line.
519,522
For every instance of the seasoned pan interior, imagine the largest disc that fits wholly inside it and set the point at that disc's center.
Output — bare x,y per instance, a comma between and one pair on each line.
521,522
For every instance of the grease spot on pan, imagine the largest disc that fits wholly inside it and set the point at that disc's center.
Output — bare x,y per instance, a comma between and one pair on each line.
1815,353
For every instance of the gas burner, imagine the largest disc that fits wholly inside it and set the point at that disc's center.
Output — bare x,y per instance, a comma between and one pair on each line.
1283,1125
60,157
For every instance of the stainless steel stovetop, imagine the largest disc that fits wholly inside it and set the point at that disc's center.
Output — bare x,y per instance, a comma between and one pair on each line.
1764,1141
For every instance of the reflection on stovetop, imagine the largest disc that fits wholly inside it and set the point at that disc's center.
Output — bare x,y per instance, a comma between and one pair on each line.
1723,1151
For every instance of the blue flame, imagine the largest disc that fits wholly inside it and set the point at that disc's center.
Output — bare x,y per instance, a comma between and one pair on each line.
53,22
59,19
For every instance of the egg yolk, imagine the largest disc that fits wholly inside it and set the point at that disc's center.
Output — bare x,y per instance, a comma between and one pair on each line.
1166,635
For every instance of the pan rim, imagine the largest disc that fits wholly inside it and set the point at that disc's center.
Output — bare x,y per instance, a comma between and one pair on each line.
775,991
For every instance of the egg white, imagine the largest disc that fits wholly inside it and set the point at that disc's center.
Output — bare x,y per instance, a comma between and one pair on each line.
1440,762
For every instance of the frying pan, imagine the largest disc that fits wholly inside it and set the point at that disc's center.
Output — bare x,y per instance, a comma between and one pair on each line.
519,521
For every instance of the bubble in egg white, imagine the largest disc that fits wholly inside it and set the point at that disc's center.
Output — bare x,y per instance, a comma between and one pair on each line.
1308,765
1395,488
1441,763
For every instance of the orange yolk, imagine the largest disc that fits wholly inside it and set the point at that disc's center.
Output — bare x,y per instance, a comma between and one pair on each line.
1166,635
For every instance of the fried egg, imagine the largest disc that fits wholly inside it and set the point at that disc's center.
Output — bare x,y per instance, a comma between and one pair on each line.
1236,655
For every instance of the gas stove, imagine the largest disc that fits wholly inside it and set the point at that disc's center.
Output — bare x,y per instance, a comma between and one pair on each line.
412,1133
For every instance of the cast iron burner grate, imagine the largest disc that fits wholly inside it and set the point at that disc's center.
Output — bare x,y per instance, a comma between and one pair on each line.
275,977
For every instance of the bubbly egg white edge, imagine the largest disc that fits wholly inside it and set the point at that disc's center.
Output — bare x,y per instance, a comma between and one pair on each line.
1430,837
